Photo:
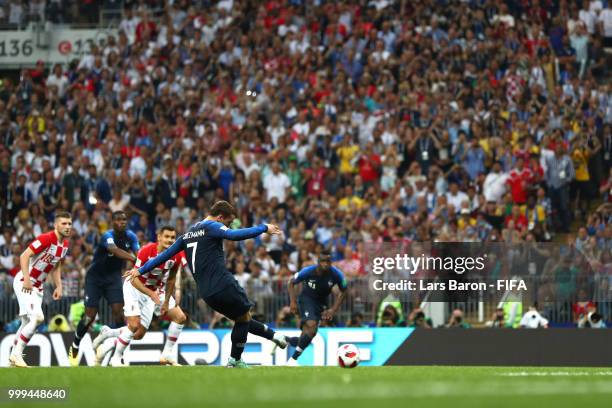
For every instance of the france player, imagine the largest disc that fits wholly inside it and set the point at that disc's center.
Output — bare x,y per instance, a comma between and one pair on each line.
203,245
318,283
103,278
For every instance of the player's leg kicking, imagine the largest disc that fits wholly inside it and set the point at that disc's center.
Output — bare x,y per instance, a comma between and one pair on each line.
31,315
209,270
233,303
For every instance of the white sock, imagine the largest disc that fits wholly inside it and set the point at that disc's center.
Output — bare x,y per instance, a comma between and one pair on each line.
114,332
122,342
24,321
107,358
107,346
174,331
27,331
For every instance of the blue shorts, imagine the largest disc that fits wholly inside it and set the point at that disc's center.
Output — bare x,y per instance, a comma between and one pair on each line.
96,288
232,302
310,309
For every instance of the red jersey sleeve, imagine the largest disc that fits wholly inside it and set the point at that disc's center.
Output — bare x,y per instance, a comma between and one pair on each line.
42,242
511,177
179,261
143,256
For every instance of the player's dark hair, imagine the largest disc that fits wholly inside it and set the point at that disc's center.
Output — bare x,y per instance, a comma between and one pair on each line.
63,214
117,214
166,228
223,208
326,253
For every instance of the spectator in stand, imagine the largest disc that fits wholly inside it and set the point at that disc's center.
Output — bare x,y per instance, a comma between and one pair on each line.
559,174
391,318
519,180
533,319
419,320
456,320
497,320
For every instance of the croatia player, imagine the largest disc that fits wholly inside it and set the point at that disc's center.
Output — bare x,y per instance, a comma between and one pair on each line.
43,256
149,293
203,245
103,278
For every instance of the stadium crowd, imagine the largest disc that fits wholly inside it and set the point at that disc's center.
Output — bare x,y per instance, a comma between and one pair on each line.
342,122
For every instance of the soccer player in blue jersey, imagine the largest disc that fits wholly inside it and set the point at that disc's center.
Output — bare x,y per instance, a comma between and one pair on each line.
203,246
103,278
318,281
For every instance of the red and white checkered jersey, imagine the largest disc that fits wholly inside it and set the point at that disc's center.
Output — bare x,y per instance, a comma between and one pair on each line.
156,278
48,252
514,86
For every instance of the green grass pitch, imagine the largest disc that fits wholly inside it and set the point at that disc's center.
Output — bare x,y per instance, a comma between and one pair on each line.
314,387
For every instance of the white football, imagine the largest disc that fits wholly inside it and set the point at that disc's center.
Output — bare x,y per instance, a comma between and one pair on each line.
348,356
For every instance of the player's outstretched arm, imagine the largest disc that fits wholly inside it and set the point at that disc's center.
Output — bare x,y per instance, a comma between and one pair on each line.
218,230
174,249
244,233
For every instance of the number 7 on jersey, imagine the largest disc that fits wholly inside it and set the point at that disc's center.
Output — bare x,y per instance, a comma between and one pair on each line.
193,245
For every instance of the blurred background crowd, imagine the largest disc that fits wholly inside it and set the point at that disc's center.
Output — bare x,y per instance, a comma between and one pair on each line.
344,122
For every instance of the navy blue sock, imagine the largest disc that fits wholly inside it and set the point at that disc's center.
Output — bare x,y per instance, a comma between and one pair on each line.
239,338
80,331
303,342
293,341
260,329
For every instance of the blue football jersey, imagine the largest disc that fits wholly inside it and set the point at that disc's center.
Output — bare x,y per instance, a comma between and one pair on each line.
105,264
203,246
319,286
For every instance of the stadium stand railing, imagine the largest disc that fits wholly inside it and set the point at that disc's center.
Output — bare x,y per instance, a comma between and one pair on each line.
269,302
